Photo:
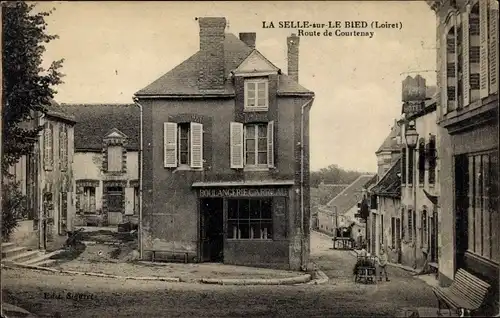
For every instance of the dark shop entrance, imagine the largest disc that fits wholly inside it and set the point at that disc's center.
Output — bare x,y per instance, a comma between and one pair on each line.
212,229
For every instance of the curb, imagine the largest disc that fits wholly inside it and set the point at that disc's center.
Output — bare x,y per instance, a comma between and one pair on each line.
302,279
257,281
53,270
320,279
89,243
8,309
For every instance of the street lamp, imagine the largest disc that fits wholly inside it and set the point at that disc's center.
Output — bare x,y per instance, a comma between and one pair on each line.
411,135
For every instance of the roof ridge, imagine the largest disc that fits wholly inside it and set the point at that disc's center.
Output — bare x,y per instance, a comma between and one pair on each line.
350,185
97,104
396,162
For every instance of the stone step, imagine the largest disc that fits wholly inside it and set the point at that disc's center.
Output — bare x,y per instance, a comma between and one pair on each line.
13,251
23,257
45,263
7,245
42,257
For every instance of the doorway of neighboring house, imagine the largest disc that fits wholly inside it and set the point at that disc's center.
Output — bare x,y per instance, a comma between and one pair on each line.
461,207
398,239
63,213
433,236
374,234
115,200
212,229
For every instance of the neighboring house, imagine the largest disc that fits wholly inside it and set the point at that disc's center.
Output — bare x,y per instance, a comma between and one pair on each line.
419,193
341,209
226,155
47,179
468,139
106,163
389,151
322,194
385,222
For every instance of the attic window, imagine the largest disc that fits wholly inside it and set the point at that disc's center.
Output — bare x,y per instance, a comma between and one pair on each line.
256,95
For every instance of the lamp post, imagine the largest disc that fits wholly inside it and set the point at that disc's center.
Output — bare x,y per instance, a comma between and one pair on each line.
411,137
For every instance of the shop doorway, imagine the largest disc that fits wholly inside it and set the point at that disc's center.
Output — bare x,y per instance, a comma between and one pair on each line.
212,229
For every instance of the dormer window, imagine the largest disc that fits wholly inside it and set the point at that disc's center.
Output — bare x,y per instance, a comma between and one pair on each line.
256,94
114,152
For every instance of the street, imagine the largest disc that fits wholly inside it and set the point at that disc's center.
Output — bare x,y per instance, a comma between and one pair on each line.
46,294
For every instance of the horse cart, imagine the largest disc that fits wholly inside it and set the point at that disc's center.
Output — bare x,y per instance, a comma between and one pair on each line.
365,270
343,238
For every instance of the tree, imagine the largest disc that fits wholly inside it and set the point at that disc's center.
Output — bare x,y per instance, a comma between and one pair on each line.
27,86
14,207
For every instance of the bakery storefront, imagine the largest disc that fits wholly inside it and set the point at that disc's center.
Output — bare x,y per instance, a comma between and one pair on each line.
244,225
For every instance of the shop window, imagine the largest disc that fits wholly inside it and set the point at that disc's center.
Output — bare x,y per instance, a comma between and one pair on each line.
250,219
483,200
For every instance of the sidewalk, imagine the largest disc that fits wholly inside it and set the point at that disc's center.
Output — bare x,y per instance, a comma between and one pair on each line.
207,273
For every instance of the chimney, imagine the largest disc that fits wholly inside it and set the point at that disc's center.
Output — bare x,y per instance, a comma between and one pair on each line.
293,56
248,38
211,66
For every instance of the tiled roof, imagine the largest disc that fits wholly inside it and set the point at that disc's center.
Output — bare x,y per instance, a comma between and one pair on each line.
94,121
389,184
371,182
350,195
390,143
333,189
182,80
55,110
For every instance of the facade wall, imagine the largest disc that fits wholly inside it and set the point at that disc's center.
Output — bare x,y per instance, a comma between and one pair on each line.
171,217
326,222
88,167
415,243
465,131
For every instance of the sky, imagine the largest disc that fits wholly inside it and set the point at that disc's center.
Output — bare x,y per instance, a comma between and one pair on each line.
113,49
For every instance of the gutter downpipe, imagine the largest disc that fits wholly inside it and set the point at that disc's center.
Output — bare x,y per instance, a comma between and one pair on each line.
302,238
141,146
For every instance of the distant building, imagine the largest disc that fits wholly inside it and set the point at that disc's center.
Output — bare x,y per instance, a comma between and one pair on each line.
341,209
106,163
226,155
46,177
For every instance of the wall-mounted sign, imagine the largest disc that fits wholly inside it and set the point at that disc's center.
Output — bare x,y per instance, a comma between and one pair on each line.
253,192
414,89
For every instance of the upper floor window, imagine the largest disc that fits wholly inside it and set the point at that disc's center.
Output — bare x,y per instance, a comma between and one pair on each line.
252,145
183,145
115,158
48,146
432,159
256,95
421,162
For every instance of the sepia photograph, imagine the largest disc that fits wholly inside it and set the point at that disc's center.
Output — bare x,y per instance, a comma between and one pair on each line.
250,158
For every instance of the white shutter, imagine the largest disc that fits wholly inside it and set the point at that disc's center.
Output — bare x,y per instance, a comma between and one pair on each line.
493,47
483,40
196,131
236,151
270,144
465,58
170,144
129,201
444,71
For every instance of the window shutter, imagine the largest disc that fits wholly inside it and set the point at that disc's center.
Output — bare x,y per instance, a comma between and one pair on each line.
270,144
236,151
444,72
483,39
170,144
493,47
196,131
465,58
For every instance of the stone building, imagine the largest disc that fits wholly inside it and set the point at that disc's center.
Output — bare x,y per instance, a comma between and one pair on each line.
226,155
467,113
